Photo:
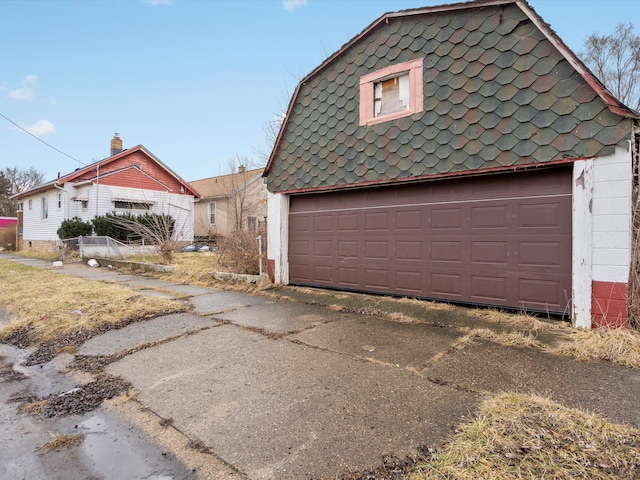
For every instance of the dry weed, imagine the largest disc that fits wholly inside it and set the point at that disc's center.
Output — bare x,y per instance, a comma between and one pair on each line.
522,321
61,440
619,346
518,436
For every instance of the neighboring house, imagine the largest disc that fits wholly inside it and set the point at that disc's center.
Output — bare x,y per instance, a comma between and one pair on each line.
129,181
460,153
236,201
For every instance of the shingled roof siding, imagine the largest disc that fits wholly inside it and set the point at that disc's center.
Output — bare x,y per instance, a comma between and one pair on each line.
496,94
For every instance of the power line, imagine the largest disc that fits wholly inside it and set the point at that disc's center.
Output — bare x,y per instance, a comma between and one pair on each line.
39,139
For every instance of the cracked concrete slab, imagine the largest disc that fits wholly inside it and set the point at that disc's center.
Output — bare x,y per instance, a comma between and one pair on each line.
147,331
281,317
224,301
595,386
278,409
402,344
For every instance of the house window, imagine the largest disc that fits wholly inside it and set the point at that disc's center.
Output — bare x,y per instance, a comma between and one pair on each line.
45,208
252,224
84,204
392,92
30,204
212,213
59,200
126,205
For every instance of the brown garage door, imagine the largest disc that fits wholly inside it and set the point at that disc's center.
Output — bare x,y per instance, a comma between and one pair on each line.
501,240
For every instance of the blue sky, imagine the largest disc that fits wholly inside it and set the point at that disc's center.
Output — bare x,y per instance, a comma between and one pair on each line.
194,81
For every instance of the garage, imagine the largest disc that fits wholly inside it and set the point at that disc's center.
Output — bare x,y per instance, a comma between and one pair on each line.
501,240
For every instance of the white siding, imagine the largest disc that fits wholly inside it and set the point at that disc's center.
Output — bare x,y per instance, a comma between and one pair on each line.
278,236
100,197
612,217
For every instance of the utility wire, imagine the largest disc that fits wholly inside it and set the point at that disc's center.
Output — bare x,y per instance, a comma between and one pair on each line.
39,139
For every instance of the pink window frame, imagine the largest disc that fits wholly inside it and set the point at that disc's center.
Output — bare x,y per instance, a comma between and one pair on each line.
413,68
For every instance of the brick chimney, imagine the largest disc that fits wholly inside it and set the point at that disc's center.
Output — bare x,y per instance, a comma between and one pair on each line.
116,145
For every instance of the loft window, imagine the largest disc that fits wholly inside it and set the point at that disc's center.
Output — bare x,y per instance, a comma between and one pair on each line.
390,93
126,205
212,213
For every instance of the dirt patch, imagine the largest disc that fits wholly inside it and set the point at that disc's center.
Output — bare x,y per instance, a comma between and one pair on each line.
392,467
8,373
78,400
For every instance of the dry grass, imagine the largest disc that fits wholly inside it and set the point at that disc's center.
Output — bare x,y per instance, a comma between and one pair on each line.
619,346
523,321
48,305
516,338
517,436
35,407
61,440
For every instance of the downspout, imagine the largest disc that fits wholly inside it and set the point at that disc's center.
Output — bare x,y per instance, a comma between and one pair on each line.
97,186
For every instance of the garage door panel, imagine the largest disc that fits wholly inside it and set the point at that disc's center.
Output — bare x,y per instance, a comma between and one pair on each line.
540,253
323,223
349,277
489,289
491,253
446,251
543,215
377,221
323,248
323,273
447,284
502,240
409,250
409,220
347,222
489,216
446,219
378,279
543,294
409,282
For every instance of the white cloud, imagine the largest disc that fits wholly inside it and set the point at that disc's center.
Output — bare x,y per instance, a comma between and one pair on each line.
155,3
26,92
290,5
41,128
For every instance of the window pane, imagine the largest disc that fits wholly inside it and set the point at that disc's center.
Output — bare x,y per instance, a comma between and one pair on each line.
393,95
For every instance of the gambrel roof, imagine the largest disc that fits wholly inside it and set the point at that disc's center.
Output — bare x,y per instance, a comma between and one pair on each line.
501,91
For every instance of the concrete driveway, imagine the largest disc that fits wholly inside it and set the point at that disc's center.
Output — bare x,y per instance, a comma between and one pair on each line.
276,389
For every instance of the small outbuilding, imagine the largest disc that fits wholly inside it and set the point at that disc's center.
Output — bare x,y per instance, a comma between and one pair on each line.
460,153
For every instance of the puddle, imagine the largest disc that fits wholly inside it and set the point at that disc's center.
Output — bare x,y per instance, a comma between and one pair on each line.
114,454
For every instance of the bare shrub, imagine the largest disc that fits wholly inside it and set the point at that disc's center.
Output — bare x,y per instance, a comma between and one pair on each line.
239,252
8,238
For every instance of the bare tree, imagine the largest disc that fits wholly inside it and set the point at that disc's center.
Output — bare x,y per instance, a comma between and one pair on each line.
270,135
15,180
240,203
615,60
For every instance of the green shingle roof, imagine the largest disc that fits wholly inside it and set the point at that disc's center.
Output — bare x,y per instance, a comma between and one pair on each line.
497,93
